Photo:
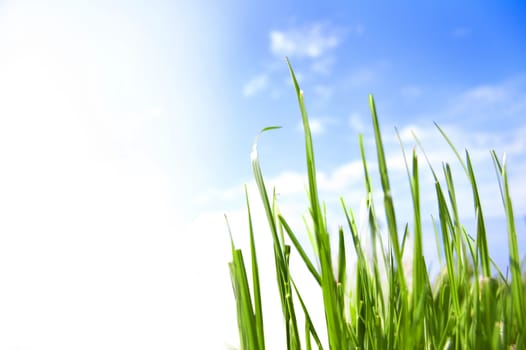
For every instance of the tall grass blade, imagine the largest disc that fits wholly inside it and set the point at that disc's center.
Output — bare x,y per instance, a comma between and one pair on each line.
255,280
388,199
300,249
245,312
517,287
482,241
377,306
280,252
333,314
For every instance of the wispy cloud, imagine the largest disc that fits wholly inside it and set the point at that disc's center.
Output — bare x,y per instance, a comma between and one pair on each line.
255,85
411,92
461,32
356,122
361,77
314,42
323,92
309,41
488,94
499,103
359,30
319,125
323,66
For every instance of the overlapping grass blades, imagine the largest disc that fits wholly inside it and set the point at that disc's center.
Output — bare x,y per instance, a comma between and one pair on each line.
377,305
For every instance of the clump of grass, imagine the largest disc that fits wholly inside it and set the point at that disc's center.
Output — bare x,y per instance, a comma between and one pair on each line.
464,308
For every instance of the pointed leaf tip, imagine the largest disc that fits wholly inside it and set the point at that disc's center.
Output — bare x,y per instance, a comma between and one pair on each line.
274,127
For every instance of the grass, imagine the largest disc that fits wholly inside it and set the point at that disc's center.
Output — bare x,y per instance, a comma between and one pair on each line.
465,307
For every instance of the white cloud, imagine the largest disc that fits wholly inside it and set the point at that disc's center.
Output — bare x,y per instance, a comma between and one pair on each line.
461,32
255,85
362,77
490,102
323,66
289,183
342,177
356,122
318,126
324,92
310,41
489,94
411,92
359,30
276,93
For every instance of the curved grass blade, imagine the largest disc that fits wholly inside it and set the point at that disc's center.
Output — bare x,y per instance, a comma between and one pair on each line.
280,251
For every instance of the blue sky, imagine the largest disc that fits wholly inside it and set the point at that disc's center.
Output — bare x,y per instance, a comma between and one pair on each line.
126,130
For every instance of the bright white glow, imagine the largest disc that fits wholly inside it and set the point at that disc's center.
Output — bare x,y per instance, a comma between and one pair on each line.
95,252
316,126
254,153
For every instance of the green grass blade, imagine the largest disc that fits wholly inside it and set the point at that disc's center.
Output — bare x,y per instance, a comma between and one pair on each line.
453,148
465,308
245,312
482,244
308,318
418,256
255,280
482,241
519,303
462,262
351,221
342,260
260,182
280,258
294,336
388,199
333,315
373,222
445,225
300,249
